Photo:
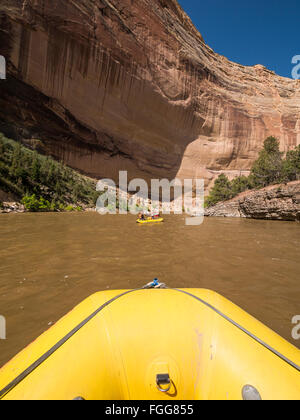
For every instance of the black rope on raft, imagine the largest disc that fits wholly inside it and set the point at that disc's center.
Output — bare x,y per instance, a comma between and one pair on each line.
277,353
45,356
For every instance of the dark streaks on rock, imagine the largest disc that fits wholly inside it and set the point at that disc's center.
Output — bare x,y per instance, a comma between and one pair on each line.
144,91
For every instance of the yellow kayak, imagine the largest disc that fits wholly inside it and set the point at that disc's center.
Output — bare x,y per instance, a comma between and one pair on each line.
142,222
156,344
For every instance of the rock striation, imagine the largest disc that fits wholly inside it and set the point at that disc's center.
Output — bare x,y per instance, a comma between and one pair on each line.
109,85
277,202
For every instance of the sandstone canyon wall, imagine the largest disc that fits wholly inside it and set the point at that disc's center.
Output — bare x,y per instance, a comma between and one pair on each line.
111,85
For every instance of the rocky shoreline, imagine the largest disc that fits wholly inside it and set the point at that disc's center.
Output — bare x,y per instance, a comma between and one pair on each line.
16,207
276,202
12,208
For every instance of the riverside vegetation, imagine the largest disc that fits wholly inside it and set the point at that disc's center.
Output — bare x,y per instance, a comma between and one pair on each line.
270,168
40,182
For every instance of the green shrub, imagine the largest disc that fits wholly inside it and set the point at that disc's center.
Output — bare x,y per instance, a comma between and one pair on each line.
34,204
69,208
73,208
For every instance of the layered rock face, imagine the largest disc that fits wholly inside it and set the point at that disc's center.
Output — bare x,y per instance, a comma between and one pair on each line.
111,85
277,202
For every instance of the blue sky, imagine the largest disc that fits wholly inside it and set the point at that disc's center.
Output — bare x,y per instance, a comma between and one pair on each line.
250,32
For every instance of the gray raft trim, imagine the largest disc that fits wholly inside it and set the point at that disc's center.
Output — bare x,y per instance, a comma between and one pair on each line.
45,356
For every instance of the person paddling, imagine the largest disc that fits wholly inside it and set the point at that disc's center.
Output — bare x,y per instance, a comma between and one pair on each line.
141,216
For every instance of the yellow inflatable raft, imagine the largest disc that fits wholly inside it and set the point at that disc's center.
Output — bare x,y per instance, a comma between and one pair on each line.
155,344
142,222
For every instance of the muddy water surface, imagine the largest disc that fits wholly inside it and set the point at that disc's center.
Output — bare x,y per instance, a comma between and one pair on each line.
51,262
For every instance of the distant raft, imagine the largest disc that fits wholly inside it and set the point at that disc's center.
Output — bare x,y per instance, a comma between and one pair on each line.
155,344
146,221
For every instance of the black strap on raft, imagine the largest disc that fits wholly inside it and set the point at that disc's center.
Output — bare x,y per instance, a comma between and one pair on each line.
281,356
36,364
45,356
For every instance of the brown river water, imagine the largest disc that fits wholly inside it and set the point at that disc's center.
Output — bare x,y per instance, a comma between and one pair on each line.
51,262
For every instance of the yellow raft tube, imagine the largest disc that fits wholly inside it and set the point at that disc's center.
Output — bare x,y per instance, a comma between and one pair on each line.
146,221
162,344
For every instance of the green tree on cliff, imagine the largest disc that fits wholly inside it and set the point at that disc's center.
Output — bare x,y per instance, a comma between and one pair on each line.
15,161
36,168
270,168
291,165
239,185
269,165
221,191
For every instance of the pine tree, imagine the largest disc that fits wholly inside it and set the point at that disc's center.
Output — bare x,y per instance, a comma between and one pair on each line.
267,169
291,165
36,168
15,161
239,185
221,191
